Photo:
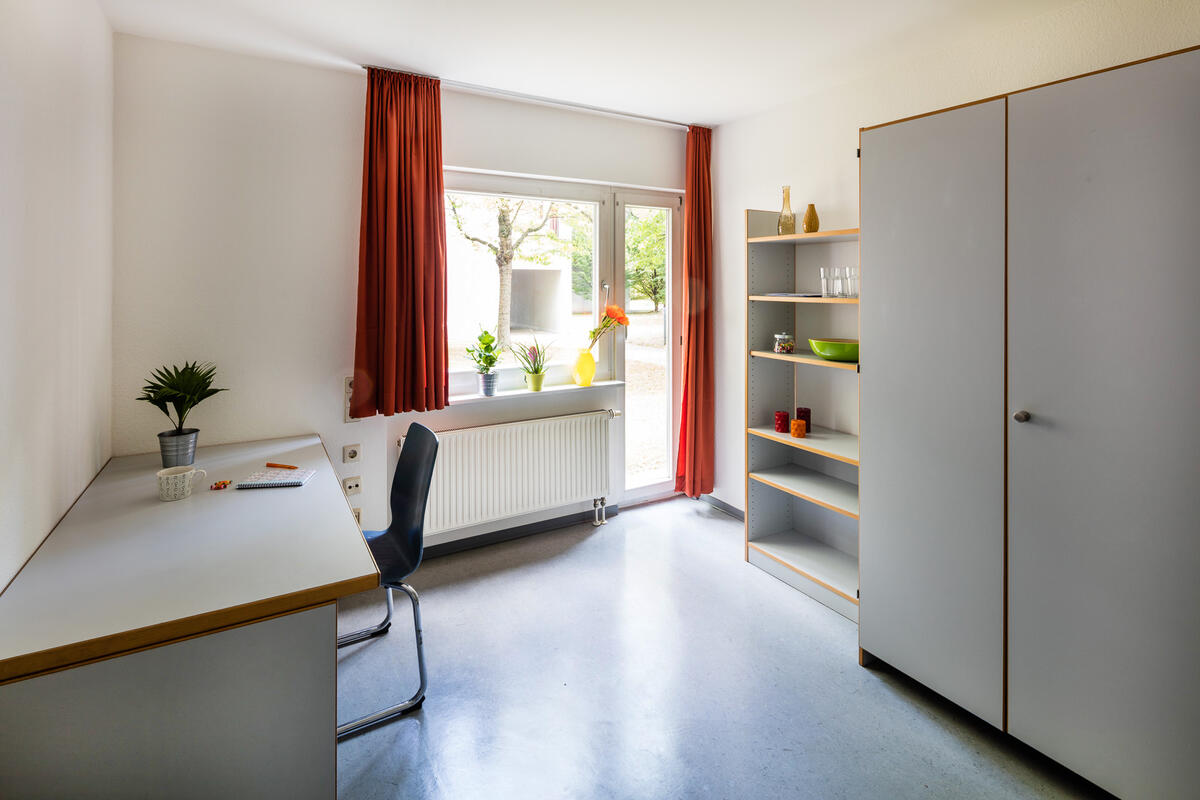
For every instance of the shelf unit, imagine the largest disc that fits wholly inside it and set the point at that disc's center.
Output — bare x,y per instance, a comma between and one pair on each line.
801,494
833,444
766,298
805,357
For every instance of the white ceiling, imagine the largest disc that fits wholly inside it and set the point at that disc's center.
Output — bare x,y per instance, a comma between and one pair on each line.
688,60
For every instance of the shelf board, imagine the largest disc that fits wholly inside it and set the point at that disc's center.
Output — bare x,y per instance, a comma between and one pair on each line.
823,441
815,487
763,298
805,357
817,561
820,237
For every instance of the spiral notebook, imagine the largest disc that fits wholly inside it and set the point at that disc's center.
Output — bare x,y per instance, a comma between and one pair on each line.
276,478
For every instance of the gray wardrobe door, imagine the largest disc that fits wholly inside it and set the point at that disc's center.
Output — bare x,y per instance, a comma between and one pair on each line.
1104,352
931,492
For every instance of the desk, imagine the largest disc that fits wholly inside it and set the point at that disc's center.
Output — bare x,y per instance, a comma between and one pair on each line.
186,648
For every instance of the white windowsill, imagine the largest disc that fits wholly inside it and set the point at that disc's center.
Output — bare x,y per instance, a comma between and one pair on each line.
467,399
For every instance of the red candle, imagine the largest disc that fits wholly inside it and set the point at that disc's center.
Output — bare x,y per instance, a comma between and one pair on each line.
806,415
781,422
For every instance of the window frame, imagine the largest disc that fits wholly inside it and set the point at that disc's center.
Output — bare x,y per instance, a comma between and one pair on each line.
463,381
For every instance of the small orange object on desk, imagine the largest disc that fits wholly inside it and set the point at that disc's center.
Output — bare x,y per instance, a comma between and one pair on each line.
273,465
799,429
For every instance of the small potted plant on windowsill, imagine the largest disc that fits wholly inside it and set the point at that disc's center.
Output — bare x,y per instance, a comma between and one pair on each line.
532,359
181,388
485,355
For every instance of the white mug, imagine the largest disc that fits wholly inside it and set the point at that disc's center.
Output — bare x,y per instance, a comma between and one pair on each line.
175,483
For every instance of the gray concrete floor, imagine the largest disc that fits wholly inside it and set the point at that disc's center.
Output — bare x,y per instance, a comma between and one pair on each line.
646,659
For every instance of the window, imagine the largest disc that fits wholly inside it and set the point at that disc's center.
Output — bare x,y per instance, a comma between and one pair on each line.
523,268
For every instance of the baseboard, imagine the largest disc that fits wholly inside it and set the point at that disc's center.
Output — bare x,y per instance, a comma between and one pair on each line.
721,505
507,534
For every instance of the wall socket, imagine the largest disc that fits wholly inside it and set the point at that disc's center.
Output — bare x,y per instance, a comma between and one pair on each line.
352,485
357,512
351,453
349,389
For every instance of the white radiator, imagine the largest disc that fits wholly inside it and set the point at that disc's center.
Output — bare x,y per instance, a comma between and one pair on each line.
496,472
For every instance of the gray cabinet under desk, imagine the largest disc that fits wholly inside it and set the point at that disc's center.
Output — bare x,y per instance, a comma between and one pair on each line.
1030,442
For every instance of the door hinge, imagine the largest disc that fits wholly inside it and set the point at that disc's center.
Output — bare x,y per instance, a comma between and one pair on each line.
858,593
858,368
858,153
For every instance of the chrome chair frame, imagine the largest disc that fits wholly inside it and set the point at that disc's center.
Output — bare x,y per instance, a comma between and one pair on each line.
411,703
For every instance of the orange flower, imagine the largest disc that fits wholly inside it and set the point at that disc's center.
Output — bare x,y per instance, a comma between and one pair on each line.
617,314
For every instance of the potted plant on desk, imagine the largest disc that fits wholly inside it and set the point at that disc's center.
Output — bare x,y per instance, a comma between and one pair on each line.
181,388
485,355
533,363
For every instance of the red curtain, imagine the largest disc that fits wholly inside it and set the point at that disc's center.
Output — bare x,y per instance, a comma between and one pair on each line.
400,355
694,471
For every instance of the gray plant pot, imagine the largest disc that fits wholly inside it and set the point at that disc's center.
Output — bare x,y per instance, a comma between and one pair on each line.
178,449
487,383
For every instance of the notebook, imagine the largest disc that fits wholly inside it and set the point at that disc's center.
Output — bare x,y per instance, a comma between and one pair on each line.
274,478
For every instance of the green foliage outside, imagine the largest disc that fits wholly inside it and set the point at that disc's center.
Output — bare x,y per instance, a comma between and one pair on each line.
581,262
646,254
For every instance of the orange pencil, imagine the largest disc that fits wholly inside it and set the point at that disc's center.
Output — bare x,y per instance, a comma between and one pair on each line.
280,466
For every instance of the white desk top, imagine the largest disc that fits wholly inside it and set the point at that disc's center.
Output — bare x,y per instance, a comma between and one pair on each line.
124,570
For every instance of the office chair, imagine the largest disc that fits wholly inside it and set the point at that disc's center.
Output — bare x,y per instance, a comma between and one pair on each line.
397,553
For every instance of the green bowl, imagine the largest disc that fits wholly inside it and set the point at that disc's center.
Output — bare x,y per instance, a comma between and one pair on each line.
835,349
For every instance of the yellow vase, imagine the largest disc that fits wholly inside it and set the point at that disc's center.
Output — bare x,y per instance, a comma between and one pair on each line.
585,368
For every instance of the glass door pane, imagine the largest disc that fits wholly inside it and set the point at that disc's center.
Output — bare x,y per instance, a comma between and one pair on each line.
648,368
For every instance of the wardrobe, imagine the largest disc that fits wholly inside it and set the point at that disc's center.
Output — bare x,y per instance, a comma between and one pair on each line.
1030,416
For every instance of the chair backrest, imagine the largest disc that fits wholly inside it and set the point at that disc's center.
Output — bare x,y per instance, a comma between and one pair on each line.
410,493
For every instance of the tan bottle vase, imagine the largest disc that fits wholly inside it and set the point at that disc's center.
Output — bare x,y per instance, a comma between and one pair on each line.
811,222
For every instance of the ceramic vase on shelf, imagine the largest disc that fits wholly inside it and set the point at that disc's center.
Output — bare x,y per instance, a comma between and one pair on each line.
811,222
585,368
787,220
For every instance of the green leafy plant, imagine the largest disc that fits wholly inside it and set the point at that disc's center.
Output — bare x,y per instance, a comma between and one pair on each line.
181,388
486,354
532,358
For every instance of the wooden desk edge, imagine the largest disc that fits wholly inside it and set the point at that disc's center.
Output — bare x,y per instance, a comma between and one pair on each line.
42,662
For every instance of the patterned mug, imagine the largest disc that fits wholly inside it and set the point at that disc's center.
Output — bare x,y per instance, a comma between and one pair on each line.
175,483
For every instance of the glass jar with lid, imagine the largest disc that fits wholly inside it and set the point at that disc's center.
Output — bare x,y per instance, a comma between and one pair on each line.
785,343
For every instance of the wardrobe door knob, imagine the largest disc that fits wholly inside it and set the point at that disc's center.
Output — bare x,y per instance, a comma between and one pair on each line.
1022,416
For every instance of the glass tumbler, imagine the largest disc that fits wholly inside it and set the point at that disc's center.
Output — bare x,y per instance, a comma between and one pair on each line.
826,282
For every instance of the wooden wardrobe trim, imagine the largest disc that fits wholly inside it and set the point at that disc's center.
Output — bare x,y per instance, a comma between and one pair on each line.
1006,95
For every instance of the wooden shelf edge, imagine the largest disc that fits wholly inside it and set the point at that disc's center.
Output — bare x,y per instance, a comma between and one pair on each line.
843,234
763,298
802,444
807,498
812,359
801,572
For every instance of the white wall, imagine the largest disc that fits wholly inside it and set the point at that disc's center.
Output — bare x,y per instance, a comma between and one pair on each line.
811,146
492,133
55,263
237,194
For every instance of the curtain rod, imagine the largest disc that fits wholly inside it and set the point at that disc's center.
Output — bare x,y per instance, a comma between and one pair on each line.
545,101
